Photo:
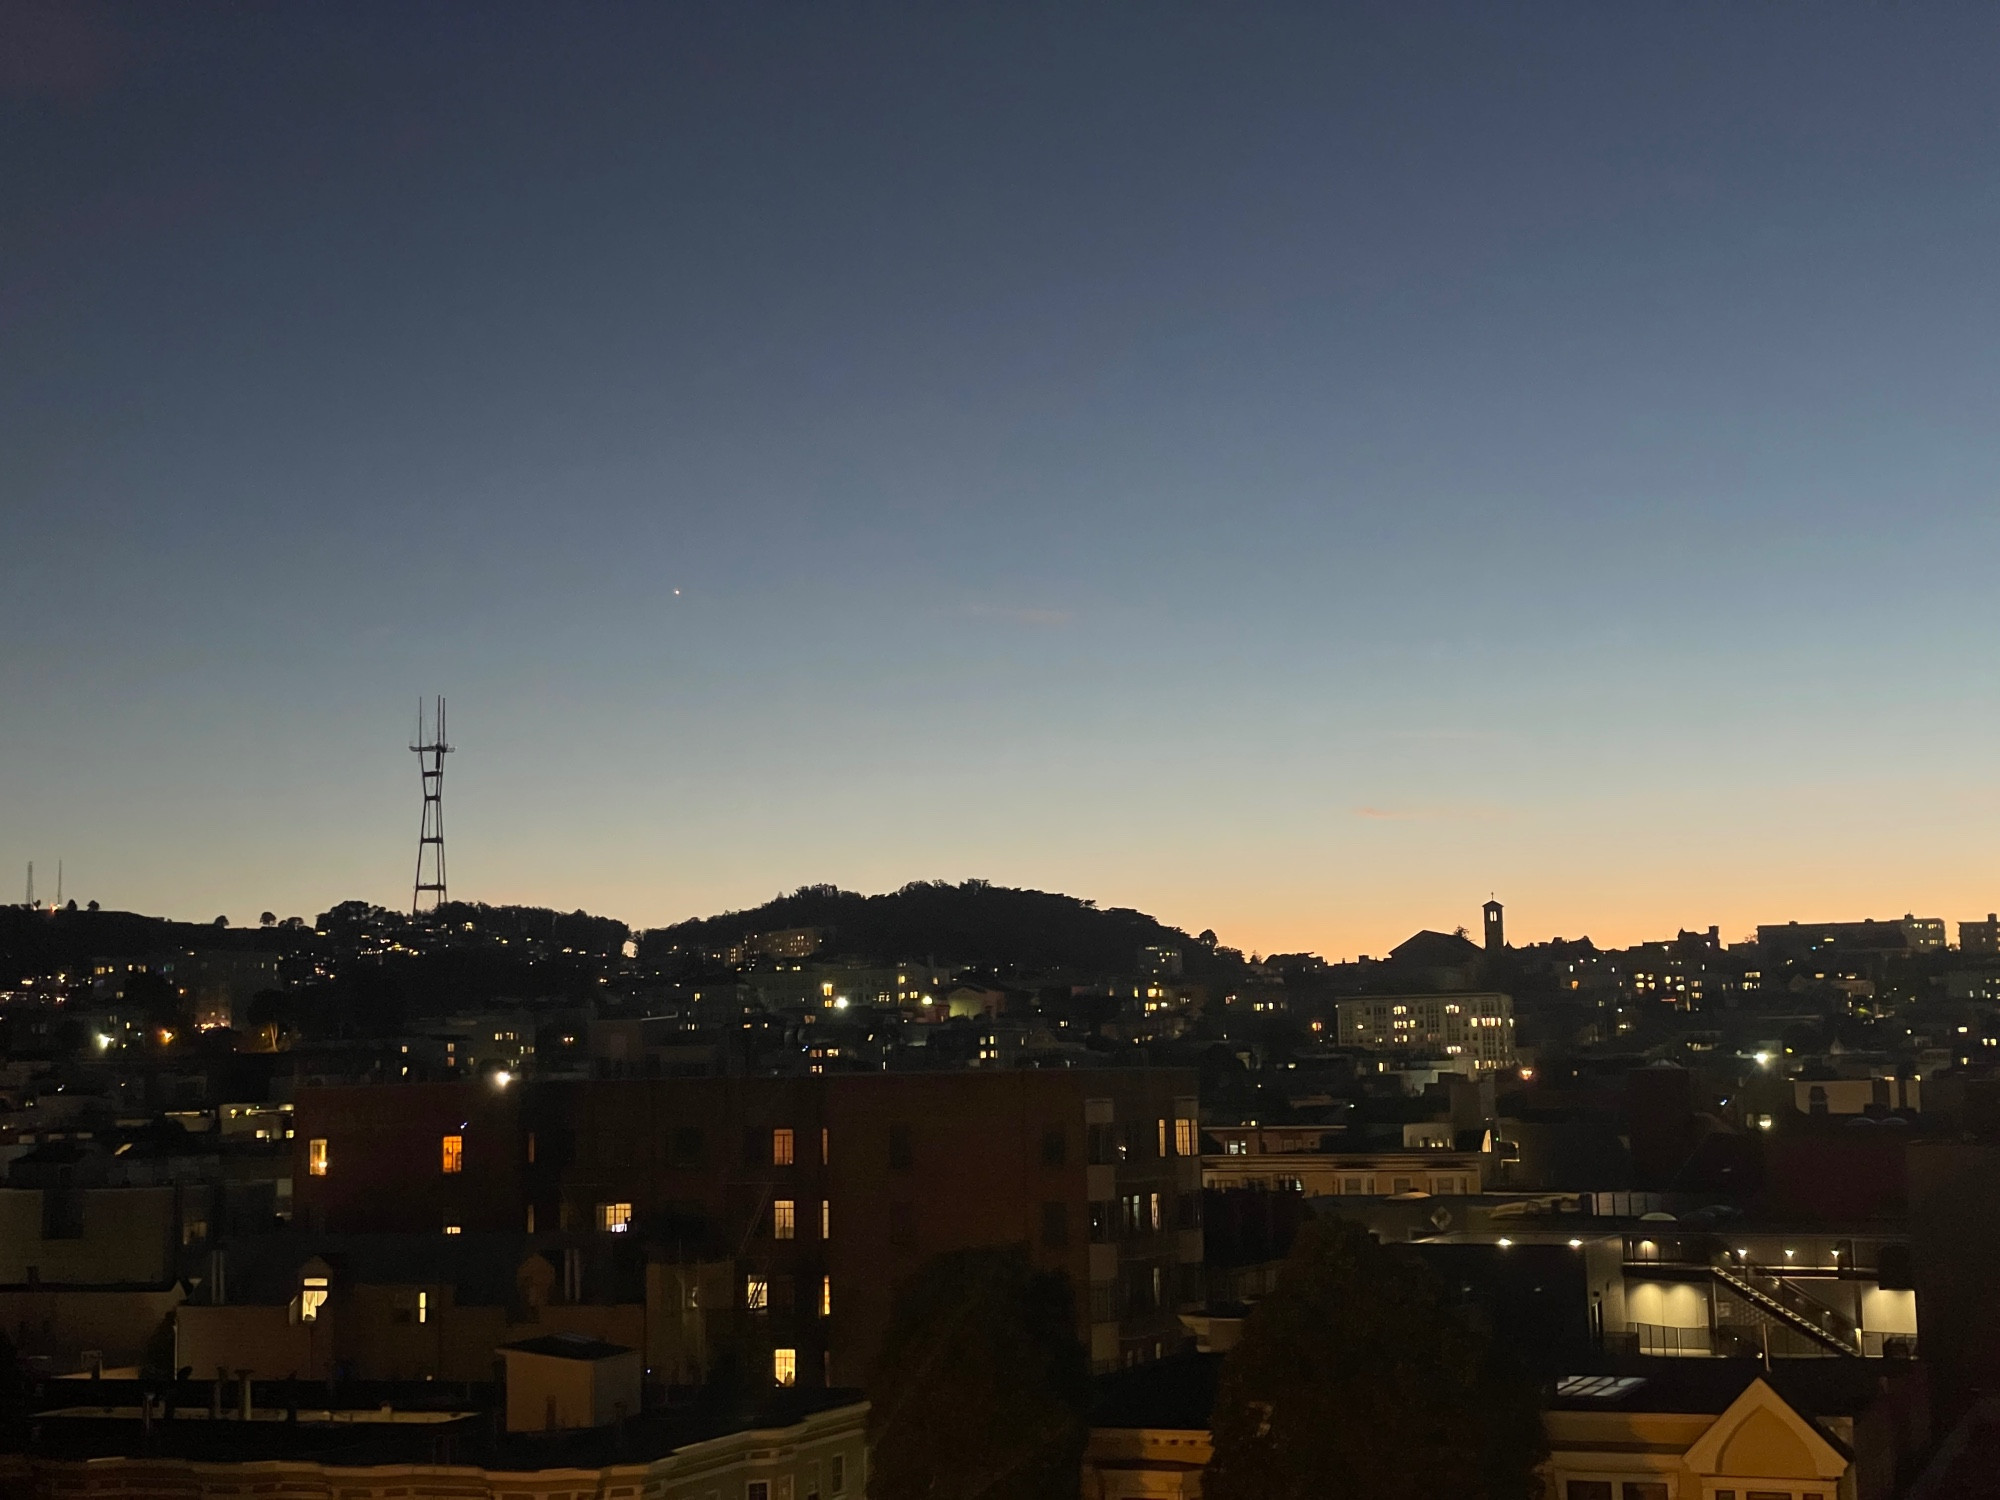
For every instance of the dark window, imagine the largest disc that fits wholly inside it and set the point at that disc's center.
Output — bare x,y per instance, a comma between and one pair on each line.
1103,1223
1103,1301
756,1148
1587,1489
1894,1270
1644,1489
1100,1146
1055,1226
903,1226
1055,1146
899,1147
685,1149
1188,1211
62,1213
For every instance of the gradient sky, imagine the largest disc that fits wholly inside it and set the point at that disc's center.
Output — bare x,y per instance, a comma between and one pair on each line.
1290,468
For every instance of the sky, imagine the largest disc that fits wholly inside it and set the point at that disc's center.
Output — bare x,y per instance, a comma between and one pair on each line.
1292,469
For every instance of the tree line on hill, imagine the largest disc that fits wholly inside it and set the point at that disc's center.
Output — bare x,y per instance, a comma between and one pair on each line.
973,924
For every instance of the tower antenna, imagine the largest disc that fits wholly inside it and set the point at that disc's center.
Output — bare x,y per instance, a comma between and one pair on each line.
430,833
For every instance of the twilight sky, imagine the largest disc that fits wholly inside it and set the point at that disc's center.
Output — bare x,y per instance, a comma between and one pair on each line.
1293,469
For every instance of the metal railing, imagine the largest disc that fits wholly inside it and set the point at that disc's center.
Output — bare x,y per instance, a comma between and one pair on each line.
1790,1306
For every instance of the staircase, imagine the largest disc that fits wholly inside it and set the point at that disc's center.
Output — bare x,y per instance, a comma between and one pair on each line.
1790,1307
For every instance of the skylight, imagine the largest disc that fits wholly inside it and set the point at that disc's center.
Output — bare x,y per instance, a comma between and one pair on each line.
1598,1387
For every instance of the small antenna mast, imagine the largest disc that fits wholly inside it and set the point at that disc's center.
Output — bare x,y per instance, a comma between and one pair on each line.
430,832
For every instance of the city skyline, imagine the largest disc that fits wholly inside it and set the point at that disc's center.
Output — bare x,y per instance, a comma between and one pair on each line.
1290,474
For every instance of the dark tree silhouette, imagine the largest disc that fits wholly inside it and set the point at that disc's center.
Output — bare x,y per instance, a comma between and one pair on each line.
981,1388
1356,1378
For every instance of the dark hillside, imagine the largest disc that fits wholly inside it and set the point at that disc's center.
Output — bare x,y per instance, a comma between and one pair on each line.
51,942
973,924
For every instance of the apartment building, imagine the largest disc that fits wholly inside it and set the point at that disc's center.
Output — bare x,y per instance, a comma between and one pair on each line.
1317,1164
1476,1028
822,1191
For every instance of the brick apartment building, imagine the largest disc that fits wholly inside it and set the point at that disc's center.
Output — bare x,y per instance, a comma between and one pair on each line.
822,1192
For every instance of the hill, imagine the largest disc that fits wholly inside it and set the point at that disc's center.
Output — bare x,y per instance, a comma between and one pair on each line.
46,942
974,924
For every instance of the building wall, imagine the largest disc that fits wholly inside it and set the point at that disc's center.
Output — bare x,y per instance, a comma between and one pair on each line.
264,1340
1141,1463
384,1145
125,1235
978,1172
61,1325
547,1393
795,1462
1475,1027
1758,1445
1854,1096
690,1162
372,1333
1329,1174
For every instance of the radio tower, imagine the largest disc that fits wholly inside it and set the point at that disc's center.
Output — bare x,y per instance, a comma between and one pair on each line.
430,834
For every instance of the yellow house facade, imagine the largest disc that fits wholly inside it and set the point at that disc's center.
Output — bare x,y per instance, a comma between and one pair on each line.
1758,1448
1662,1429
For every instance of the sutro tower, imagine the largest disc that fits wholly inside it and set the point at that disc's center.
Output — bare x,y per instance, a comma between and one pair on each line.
430,834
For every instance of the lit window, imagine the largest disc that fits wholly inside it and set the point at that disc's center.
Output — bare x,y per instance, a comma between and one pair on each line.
781,1148
826,1296
312,1297
423,1307
453,1229
454,1153
785,1366
614,1218
822,1140
1153,1212
1184,1143
825,1219
316,1158
1162,1138
756,1294
784,1219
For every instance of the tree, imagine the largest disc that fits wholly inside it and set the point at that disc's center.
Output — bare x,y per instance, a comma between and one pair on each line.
1355,1377
981,1387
